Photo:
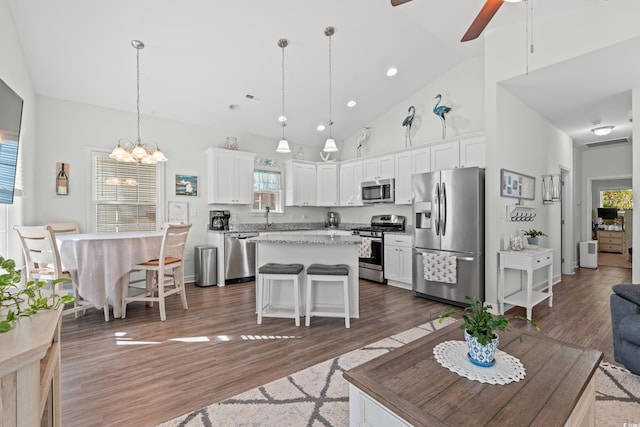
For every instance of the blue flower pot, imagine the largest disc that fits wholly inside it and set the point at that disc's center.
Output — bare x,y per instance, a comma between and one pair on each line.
481,355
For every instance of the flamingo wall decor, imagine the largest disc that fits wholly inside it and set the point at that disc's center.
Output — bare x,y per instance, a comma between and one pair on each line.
407,122
440,111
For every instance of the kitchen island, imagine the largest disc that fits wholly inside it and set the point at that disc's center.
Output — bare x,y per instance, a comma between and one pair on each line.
307,249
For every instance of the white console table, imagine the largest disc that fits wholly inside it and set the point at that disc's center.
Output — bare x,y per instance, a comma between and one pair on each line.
527,261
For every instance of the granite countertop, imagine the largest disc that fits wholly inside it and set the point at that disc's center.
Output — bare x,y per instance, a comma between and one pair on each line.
287,226
307,239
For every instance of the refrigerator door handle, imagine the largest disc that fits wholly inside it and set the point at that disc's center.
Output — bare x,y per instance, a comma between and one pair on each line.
443,207
437,208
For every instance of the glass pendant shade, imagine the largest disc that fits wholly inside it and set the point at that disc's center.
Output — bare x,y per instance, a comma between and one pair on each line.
283,146
330,146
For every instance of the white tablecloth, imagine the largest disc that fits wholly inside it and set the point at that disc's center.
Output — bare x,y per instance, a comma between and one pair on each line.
97,261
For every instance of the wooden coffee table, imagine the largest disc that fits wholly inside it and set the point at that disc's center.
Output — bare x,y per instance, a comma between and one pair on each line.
409,387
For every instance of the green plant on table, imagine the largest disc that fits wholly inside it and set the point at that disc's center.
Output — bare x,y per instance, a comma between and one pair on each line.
533,233
16,302
479,322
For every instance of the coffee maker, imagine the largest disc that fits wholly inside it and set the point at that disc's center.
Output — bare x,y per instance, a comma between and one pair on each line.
219,220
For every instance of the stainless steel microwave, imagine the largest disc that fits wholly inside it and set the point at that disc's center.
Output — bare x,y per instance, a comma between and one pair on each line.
379,191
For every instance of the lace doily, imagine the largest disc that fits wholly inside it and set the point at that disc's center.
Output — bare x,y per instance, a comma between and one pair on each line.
453,356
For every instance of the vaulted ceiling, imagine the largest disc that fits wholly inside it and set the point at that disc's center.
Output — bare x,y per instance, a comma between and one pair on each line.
203,56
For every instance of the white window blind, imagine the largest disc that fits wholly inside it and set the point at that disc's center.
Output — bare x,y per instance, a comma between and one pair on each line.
267,190
126,196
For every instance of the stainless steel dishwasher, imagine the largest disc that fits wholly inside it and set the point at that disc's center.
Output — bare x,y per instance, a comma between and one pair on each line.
239,257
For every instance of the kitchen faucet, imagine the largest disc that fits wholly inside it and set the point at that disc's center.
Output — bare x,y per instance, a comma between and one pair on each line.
266,215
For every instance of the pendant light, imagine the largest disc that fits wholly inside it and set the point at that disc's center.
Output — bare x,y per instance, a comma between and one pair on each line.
138,151
283,145
330,144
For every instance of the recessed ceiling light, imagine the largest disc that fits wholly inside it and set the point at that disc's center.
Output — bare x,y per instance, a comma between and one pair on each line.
320,128
282,119
351,103
392,72
602,130
234,107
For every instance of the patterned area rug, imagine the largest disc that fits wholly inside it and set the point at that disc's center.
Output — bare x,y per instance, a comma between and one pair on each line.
318,396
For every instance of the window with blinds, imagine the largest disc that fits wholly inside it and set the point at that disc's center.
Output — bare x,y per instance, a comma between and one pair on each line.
8,166
126,196
267,190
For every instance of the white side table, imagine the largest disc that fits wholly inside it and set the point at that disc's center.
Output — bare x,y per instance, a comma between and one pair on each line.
527,261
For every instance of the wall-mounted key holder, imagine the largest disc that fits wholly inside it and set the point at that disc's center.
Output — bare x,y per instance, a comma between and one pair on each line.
520,213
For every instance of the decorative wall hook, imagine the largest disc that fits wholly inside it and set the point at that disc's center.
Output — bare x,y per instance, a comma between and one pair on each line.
520,213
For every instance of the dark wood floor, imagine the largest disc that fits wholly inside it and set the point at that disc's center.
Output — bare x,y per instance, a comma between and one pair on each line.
141,371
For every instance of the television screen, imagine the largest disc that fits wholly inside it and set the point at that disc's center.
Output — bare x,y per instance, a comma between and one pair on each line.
608,213
10,117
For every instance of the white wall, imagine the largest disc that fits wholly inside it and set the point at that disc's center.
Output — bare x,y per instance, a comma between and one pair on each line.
14,72
68,129
557,39
597,164
461,89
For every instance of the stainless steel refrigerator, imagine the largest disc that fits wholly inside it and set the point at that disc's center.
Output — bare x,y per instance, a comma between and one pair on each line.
448,253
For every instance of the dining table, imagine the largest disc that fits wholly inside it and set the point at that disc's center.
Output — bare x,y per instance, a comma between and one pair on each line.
99,263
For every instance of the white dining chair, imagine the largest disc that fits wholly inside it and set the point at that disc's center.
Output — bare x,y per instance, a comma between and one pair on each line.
42,263
164,276
64,227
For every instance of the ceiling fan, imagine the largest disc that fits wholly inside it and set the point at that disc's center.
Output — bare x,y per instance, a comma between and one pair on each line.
482,20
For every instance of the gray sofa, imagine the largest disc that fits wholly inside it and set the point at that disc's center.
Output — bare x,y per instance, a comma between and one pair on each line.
625,321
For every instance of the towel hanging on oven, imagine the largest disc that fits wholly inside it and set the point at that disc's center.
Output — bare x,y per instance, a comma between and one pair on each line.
440,268
365,248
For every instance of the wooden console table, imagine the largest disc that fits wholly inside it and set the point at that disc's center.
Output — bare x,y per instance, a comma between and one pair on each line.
30,371
527,261
612,241
408,386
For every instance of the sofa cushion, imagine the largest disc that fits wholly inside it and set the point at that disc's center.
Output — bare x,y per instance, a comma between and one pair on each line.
629,329
628,292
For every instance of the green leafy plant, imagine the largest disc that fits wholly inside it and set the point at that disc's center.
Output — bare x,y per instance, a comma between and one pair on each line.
479,322
533,233
16,301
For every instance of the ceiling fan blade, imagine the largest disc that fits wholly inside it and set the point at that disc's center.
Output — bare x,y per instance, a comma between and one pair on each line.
482,20
398,2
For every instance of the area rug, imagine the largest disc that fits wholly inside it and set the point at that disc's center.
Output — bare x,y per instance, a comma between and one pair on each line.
318,396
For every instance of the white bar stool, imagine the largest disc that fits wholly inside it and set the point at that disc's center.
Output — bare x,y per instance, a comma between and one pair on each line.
328,273
266,275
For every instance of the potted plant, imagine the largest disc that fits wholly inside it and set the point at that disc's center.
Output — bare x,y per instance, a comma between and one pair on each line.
479,326
532,236
16,301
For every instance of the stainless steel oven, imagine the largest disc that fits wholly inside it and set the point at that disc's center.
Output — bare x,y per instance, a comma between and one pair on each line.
371,267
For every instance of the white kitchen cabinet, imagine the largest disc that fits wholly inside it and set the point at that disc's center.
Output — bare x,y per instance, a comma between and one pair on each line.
300,183
350,180
403,178
398,260
464,153
229,176
421,160
445,156
378,167
473,152
327,184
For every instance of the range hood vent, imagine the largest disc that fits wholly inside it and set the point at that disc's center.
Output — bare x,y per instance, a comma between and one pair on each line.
607,143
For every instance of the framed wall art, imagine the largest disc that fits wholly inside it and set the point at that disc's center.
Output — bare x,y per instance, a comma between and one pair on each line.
187,185
517,185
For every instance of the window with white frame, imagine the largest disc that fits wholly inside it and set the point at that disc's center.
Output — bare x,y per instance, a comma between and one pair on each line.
127,196
267,190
